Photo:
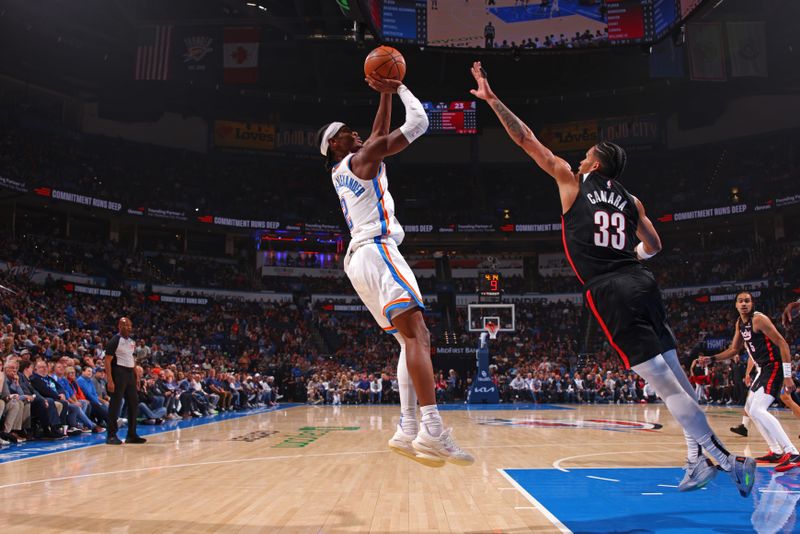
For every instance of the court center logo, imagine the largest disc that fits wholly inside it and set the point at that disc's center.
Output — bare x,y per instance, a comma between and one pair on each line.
612,425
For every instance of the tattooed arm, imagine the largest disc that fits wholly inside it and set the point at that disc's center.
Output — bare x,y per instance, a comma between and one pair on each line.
520,133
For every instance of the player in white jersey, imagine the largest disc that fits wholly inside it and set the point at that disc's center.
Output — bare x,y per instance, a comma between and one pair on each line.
380,275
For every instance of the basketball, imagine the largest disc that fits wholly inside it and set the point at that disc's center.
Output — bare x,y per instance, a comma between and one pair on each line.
387,62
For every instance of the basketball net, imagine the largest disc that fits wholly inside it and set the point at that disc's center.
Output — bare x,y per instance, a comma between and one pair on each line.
492,329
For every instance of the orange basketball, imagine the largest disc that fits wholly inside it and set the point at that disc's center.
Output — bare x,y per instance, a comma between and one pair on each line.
387,62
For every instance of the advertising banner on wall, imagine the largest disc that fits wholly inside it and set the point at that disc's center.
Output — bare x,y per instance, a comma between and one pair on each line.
570,136
641,130
244,135
14,185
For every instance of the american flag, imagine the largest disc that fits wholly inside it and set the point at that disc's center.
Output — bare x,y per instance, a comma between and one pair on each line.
152,53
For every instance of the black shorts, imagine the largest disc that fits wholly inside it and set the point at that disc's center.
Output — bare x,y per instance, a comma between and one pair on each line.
770,377
629,308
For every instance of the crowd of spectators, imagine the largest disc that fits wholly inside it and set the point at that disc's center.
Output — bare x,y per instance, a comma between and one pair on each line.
228,355
195,361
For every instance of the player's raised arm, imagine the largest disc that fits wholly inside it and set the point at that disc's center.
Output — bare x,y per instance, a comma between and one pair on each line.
650,244
520,133
378,147
763,324
383,118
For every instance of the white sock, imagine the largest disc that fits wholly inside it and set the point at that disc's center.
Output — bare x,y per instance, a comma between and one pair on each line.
745,421
431,420
694,451
408,397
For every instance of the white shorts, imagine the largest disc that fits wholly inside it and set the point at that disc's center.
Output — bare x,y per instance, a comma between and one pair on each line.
383,280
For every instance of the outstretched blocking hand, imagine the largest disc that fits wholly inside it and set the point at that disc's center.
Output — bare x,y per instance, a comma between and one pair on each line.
383,85
791,309
484,92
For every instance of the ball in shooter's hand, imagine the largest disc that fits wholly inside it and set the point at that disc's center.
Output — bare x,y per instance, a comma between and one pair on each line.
386,62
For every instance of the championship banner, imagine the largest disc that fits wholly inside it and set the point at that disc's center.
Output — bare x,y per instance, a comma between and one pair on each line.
246,135
667,60
570,136
747,47
638,130
196,54
706,52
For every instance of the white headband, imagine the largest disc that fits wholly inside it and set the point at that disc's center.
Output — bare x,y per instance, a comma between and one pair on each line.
330,131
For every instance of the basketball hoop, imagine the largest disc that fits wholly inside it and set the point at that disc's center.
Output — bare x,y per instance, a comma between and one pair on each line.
492,328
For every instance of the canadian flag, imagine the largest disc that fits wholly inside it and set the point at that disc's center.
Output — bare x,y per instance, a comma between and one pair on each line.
240,49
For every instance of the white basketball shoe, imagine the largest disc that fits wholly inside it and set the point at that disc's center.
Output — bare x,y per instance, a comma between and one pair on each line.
401,443
442,447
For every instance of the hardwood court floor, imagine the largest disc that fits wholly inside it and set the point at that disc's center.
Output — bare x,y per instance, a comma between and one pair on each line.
327,469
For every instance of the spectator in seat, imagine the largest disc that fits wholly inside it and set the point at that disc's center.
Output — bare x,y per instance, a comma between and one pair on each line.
80,406
152,415
99,408
12,411
48,388
215,386
375,390
99,381
362,388
43,411
28,399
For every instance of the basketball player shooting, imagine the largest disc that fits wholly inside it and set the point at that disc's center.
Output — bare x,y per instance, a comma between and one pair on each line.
380,275
755,333
601,225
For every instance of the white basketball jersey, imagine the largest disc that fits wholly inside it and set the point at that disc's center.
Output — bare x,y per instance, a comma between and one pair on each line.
367,205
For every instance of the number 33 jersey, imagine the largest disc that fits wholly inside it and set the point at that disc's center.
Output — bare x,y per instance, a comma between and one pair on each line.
367,205
599,230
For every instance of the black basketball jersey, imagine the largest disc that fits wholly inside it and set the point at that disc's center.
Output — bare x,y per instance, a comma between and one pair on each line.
758,346
599,230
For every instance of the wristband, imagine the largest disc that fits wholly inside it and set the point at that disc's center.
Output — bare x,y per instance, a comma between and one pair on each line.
642,254
787,370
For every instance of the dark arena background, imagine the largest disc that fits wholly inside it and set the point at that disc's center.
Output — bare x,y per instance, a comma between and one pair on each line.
160,161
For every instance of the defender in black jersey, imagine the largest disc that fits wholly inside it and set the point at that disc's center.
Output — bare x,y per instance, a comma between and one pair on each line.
767,349
606,233
600,232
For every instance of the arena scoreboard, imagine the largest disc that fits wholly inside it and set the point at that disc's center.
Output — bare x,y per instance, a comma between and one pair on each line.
490,287
404,21
457,117
629,22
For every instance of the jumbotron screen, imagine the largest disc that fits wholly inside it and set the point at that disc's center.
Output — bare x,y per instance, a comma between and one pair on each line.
536,24
457,117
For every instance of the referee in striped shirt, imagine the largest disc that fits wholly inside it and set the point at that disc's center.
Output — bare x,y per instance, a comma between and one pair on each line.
122,382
